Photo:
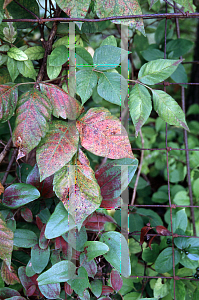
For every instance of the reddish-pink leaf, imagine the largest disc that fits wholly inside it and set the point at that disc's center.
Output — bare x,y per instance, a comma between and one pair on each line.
6,242
29,283
39,223
57,148
30,291
116,280
43,242
77,181
99,218
103,134
67,288
8,101
26,214
45,187
63,104
8,293
75,254
9,276
144,232
33,113
106,290
51,290
90,266
92,226
58,243
162,230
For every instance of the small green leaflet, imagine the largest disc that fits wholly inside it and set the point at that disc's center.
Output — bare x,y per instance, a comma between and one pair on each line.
164,262
140,106
17,54
59,56
157,70
168,109
12,68
86,80
35,53
74,8
27,69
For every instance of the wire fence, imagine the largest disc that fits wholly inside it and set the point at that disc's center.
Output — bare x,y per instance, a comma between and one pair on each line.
178,14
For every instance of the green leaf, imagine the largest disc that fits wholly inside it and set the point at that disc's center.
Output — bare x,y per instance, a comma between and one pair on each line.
86,80
3,59
26,68
93,249
76,238
83,58
19,194
161,289
149,255
118,254
152,54
91,266
35,53
60,272
96,287
113,87
59,56
77,183
104,9
29,269
57,147
39,258
168,109
25,238
8,101
108,57
50,291
81,282
74,8
52,72
140,106
188,6
12,68
196,188
180,220
150,216
59,222
164,261
180,75
17,54
132,296
157,70
180,290
33,113
179,47
181,198
110,40
6,241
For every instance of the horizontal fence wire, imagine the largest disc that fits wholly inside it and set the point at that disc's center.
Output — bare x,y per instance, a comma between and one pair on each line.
176,16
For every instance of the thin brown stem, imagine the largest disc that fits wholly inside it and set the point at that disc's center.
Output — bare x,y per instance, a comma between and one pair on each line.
5,150
9,165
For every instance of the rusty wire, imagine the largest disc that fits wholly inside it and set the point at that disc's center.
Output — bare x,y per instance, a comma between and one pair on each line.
166,16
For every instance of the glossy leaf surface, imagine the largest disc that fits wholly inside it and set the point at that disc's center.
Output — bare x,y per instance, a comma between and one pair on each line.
77,184
102,134
58,56
33,113
8,101
117,257
17,54
57,148
86,80
39,258
93,249
63,104
60,272
19,194
164,261
6,241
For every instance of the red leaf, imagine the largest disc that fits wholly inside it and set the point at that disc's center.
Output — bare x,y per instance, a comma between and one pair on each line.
111,204
8,101
99,218
92,226
30,291
103,134
33,113
116,280
39,223
43,242
144,232
162,230
29,283
106,290
57,148
63,104
58,243
151,241
67,288
9,276
26,214
45,187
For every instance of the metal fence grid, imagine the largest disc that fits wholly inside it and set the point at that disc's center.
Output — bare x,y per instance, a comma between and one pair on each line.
178,14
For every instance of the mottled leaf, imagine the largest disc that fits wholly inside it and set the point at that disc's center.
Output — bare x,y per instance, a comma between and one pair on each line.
86,80
112,87
60,272
116,280
43,242
103,134
157,70
8,101
33,113
39,258
63,104
106,290
74,8
18,194
78,184
168,109
90,266
50,291
67,288
81,282
108,57
45,187
57,148
17,54
7,293
26,214
140,106
6,241
106,9
29,283
9,275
